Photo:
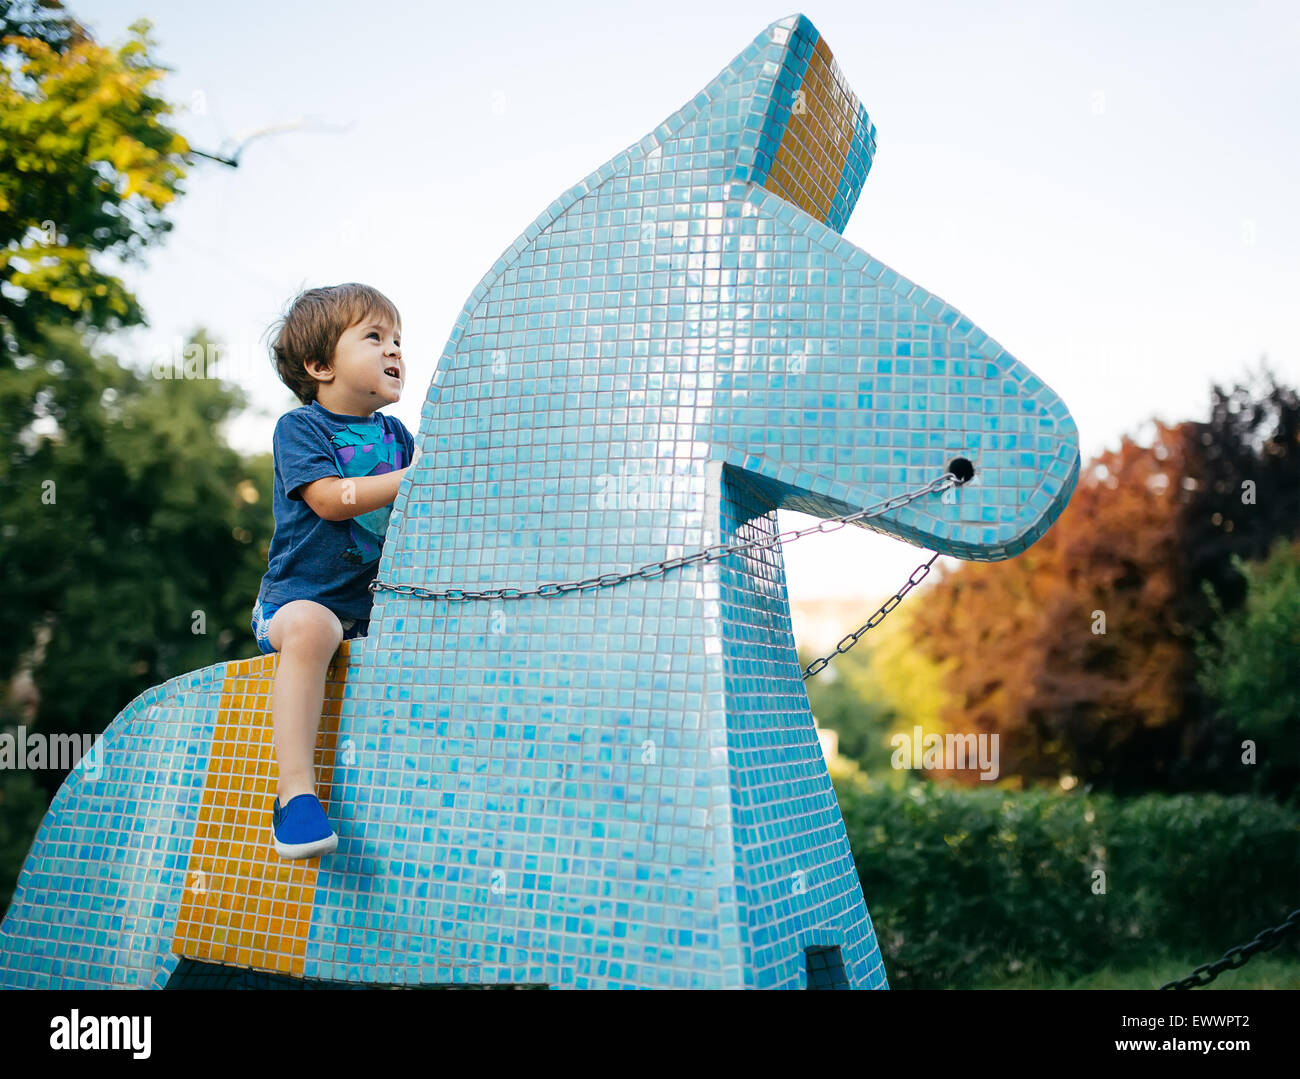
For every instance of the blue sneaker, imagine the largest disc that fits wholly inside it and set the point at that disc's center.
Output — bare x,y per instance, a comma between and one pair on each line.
301,828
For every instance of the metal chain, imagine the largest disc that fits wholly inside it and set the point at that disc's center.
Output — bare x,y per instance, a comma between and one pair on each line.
1237,957
654,569
816,666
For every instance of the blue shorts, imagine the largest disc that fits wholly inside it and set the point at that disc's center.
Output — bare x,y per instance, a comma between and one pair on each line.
262,614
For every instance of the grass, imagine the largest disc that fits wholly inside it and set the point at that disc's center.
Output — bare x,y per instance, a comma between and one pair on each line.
1260,972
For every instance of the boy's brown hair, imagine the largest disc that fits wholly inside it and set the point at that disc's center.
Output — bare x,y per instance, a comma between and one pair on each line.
310,329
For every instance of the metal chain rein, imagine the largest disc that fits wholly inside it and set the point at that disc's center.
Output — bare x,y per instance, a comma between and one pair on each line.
654,569
1237,957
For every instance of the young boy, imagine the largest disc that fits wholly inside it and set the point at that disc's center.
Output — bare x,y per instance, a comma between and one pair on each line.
338,466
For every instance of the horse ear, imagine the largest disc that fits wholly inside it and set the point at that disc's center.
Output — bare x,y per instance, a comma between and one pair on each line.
815,142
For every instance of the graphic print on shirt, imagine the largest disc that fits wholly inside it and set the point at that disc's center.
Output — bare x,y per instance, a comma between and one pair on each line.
367,450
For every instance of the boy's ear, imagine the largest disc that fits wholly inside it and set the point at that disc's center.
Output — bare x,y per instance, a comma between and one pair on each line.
318,370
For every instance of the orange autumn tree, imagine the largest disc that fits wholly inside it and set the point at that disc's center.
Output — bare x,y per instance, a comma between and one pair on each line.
1071,652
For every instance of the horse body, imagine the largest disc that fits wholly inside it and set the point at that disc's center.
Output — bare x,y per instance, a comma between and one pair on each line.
619,785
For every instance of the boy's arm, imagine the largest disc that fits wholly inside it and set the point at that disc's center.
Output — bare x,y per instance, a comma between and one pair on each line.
337,499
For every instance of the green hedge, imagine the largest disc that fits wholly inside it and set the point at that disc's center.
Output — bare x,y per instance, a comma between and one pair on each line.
963,884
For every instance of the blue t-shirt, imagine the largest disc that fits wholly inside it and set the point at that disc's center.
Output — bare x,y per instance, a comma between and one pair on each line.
330,562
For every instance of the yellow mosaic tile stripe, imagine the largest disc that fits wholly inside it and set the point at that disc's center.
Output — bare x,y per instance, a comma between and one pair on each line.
243,903
817,140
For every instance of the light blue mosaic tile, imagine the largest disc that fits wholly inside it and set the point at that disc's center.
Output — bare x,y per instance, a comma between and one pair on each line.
619,787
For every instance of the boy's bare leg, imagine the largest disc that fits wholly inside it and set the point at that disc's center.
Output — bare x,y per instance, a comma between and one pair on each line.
306,634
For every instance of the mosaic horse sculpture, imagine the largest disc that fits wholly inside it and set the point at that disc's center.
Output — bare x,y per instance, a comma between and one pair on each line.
612,786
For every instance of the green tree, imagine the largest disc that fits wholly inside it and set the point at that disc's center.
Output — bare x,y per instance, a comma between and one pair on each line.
1252,670
133,541
133,538
88,165
1243,494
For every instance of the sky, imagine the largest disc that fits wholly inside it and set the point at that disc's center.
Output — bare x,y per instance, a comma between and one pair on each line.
1107,189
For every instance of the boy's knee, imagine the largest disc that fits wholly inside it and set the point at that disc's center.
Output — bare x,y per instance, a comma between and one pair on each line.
309,627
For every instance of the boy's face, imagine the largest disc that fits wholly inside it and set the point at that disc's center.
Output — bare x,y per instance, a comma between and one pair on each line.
368,371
